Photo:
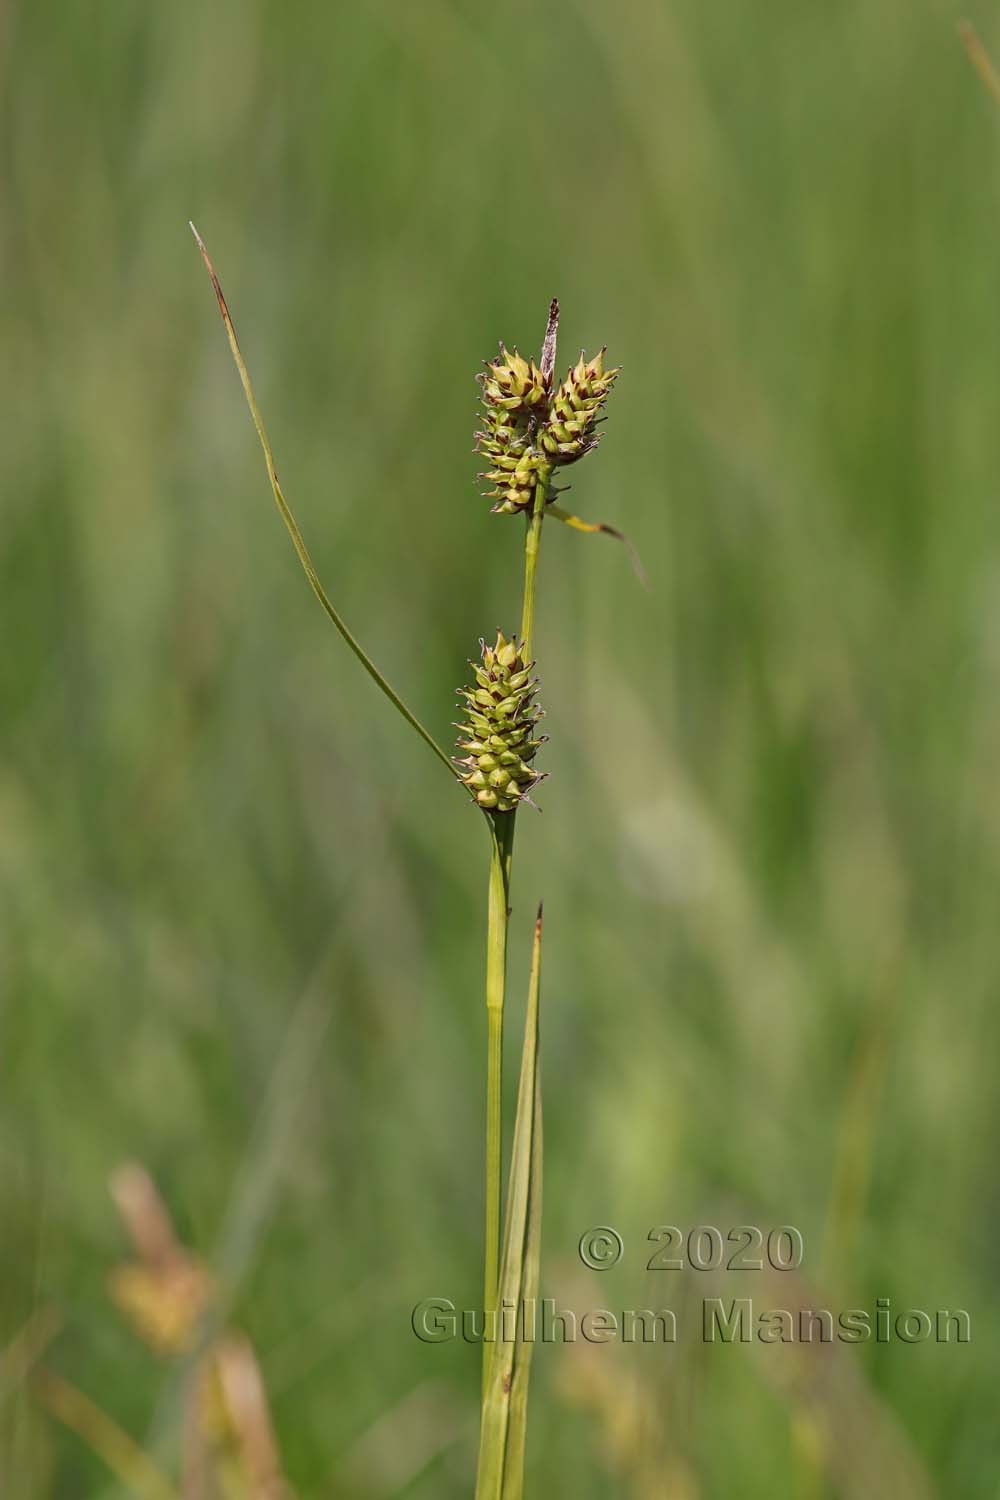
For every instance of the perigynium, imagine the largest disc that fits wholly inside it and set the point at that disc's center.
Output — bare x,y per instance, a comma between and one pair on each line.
531,429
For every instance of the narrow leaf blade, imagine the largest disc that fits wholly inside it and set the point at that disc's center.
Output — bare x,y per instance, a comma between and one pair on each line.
291,525
504,1415
596,527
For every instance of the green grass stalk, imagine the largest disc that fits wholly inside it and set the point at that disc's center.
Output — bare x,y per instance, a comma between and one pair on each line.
532,544
501,854
501,859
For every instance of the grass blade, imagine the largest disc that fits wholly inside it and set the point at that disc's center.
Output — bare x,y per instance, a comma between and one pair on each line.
980,58
134,1469
517,1422
292,525
500,1474
594,528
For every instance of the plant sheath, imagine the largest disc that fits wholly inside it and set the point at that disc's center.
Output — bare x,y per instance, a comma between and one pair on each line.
501,853
500,1472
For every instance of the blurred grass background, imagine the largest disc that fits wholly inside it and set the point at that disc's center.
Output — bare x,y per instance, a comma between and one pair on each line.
244,916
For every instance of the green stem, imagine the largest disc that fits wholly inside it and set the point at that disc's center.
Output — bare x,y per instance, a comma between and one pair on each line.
532,542
501,853
501,857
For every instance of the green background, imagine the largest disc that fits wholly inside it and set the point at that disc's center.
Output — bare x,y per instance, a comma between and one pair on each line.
244,912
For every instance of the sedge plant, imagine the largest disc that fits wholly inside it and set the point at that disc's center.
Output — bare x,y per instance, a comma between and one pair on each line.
531,429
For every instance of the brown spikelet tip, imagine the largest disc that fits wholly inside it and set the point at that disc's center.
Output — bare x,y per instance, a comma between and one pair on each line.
549,344
215,280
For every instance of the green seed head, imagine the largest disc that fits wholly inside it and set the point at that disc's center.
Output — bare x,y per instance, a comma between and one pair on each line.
515,400
514,384
575,409
528,429
497,739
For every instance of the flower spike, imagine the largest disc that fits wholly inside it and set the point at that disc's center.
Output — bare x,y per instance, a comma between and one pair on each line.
498,735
